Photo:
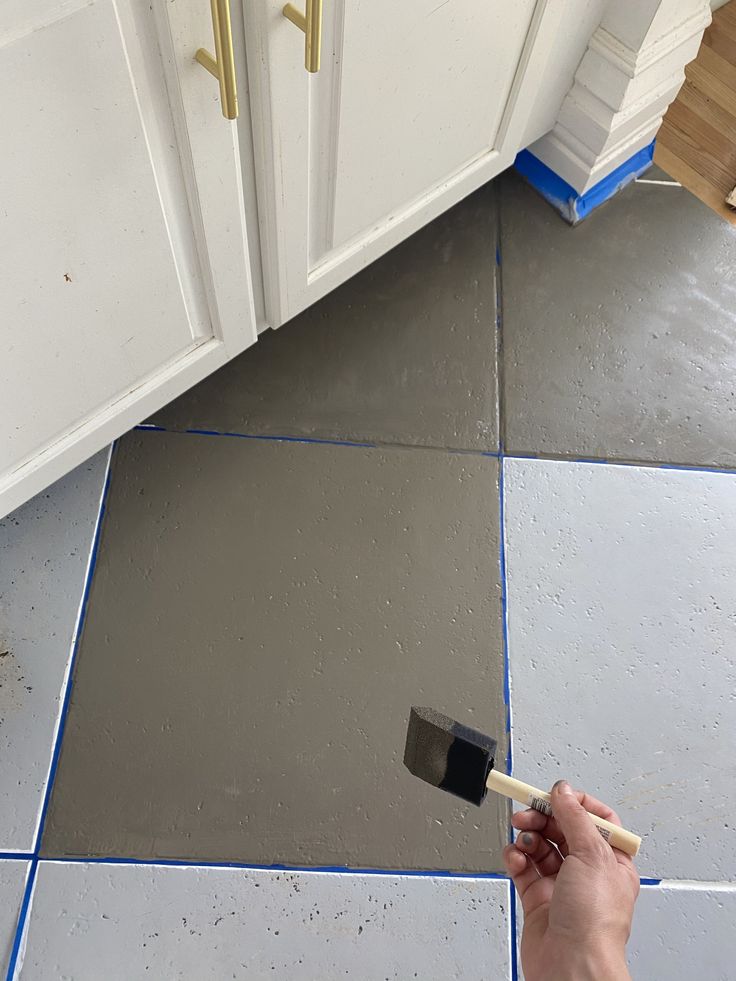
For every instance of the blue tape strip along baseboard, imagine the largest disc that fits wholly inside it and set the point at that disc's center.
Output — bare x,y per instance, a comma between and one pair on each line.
572,205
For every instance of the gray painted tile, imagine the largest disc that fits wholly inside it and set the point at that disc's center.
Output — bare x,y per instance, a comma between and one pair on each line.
12,886
44,551
618,335
262,617
225,923
621,599
683,932
405,352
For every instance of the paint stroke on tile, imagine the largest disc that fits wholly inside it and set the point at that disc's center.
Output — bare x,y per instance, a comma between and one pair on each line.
684,932
44,553
621,592
12,885
618,335
262,617
143,921
405,352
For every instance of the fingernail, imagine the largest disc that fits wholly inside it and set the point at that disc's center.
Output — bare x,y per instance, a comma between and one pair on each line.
526,839
562,787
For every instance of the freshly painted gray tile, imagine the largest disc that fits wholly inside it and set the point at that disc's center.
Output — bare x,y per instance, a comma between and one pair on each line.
683,932
44,551
122,922
12,886
262,616
405,352
618,335
622,641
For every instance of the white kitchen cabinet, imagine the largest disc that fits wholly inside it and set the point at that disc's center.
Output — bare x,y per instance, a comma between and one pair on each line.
122,228
415,105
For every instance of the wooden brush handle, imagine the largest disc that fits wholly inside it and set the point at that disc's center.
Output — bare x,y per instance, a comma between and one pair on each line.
524,793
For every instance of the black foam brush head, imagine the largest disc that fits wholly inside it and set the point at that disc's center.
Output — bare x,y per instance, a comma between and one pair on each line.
449,755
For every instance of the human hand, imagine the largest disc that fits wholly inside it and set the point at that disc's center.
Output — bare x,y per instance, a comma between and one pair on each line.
577,892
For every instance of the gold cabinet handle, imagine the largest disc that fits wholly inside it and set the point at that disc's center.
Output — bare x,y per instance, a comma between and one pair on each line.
311,24
222,66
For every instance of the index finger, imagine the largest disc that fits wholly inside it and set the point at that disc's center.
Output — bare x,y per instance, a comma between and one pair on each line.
547,826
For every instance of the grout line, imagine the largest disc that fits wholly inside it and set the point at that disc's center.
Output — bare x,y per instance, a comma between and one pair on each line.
459,451
15,856
67,685
182,863
60,726
500,374
500,454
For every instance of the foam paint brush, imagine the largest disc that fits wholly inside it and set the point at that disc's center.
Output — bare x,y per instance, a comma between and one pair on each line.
460,760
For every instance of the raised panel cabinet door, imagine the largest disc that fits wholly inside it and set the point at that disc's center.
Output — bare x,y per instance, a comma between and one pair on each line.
415,104
125,273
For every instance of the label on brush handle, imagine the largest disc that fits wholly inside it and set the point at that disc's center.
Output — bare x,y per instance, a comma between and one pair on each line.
540,804
544,807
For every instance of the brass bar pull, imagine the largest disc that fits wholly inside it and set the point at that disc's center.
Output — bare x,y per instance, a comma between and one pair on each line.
222,66
311,25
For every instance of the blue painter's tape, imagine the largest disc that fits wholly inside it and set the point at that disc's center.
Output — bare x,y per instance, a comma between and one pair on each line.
246,867
650,882
512,931
270,439
22,917
16,856
504,624
572,205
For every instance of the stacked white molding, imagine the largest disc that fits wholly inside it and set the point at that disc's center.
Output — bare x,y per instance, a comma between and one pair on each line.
632,70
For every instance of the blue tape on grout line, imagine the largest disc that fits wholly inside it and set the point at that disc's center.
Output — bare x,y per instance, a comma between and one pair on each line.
504,621
649,882
563,197
251,867
75,650
512,931
268,439
635,464
20,928
16,856
22,917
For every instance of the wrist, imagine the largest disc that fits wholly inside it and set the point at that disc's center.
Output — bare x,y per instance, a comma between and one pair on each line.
590,963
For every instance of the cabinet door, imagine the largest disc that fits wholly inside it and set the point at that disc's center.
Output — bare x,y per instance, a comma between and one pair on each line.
416,103
124,260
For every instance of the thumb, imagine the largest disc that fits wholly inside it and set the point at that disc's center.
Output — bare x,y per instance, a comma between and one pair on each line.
574,821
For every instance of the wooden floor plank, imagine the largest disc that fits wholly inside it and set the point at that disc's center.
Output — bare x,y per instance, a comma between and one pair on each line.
697,142
720,37
691,179
707,109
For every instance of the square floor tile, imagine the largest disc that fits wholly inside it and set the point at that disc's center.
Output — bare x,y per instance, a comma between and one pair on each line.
405,352
44,551
618,335
224,923
12,886
262,617
622,644
681,933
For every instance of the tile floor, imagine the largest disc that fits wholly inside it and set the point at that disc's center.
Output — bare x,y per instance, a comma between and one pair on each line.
263,611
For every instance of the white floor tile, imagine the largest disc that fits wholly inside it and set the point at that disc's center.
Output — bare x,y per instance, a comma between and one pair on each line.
682,933
12,884
44,550
622,639
93,921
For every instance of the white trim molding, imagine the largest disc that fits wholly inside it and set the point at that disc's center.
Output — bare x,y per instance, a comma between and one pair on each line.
631,71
